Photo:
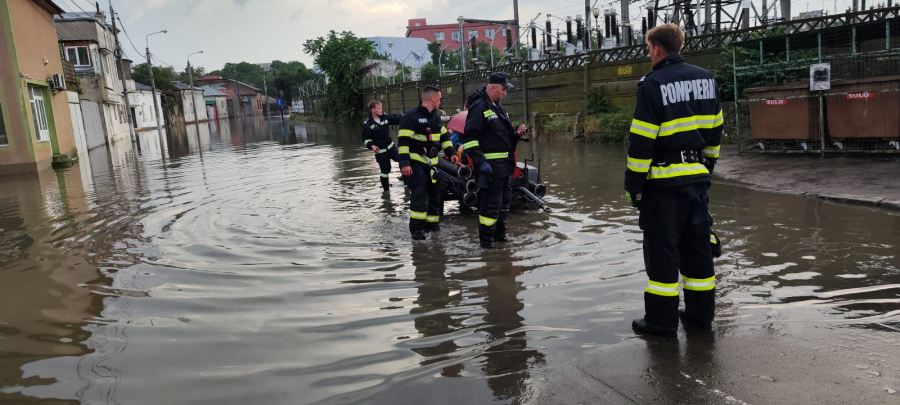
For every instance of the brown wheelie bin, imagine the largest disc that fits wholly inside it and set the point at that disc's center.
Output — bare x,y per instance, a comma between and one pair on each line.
865,108
784,112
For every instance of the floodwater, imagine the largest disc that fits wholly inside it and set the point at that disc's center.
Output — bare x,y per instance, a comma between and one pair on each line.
260,263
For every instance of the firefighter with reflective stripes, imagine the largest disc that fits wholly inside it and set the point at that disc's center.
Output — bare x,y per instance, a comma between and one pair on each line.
490,141
422,135
672,148
375,136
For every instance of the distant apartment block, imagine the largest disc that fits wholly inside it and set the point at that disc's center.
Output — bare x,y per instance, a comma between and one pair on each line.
419,28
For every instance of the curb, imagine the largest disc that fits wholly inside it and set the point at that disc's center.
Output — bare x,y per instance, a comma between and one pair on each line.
851,199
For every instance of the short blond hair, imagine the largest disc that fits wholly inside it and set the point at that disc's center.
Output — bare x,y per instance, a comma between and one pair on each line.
374,104
669,37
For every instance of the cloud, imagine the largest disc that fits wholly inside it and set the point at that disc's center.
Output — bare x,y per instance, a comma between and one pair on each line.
296,15
241,3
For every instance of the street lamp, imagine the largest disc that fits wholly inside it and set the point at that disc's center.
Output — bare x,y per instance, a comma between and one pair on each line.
162,148
596,13
391,55
440,61
193,103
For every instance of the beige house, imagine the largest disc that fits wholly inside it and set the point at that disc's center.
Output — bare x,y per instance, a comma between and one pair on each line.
35,123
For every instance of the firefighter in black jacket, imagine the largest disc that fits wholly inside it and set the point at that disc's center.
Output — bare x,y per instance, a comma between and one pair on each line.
490,141
376,137
672,148
422,135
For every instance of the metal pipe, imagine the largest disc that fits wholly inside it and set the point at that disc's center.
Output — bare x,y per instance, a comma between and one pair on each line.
472,186
461,172
537,188
535,199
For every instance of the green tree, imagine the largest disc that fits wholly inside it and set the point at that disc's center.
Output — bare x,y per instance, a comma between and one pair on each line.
342,57
164,77
183,76
430,71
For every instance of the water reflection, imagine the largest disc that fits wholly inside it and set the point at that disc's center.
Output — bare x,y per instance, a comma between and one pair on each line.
262,264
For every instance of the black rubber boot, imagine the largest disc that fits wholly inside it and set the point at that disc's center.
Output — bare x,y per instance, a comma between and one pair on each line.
692,321
641,326
384,183
432,228
418,235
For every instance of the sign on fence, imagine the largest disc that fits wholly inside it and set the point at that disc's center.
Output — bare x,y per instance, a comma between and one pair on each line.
820,77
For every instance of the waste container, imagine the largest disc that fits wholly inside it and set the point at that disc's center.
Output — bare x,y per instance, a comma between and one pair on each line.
865,108
784,112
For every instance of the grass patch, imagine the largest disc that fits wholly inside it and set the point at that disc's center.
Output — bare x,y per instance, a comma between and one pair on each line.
609,127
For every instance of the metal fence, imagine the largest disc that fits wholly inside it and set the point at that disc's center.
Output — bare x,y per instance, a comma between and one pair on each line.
834,90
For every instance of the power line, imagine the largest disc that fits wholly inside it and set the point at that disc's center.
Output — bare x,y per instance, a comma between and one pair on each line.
122,26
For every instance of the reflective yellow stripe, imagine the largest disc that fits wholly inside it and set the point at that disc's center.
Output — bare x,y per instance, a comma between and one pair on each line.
443,130
639,165
489,113
486,221
404,149
663,289
422,138
434,161
498,155
677,170
433,219
406,132
712,239
387,148
699,284
446,144
470,144
690,123
385,175
417,214
644,128
367,142
419,158
711,152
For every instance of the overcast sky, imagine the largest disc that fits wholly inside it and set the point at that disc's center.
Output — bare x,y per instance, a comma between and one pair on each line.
264,30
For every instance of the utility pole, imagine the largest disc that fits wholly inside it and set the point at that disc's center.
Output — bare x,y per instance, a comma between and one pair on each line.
516,15
268,110
162,140
193,103
118,54
587,25
237,92
462,48
626,24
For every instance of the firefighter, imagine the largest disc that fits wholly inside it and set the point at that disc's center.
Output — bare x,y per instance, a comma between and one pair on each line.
672,149
422,135
490,141
376,137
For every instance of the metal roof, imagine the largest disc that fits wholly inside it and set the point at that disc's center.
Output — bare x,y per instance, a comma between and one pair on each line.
211,92
142,87
412,52
82,16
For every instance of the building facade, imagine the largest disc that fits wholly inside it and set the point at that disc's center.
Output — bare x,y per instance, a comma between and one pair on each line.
191,100
140,99
88,41
35,123
448,34
250,97
216,103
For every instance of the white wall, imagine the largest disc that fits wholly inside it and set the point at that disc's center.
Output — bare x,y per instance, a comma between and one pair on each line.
142,103
189,109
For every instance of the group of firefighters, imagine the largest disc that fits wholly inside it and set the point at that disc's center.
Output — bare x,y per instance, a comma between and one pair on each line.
673,147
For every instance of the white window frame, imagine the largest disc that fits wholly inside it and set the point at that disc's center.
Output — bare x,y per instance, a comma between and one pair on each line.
39,113
475,31
454,35
503,30
490,33
439,36
77,61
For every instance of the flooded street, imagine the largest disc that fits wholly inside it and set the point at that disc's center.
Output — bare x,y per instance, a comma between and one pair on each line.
261,264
